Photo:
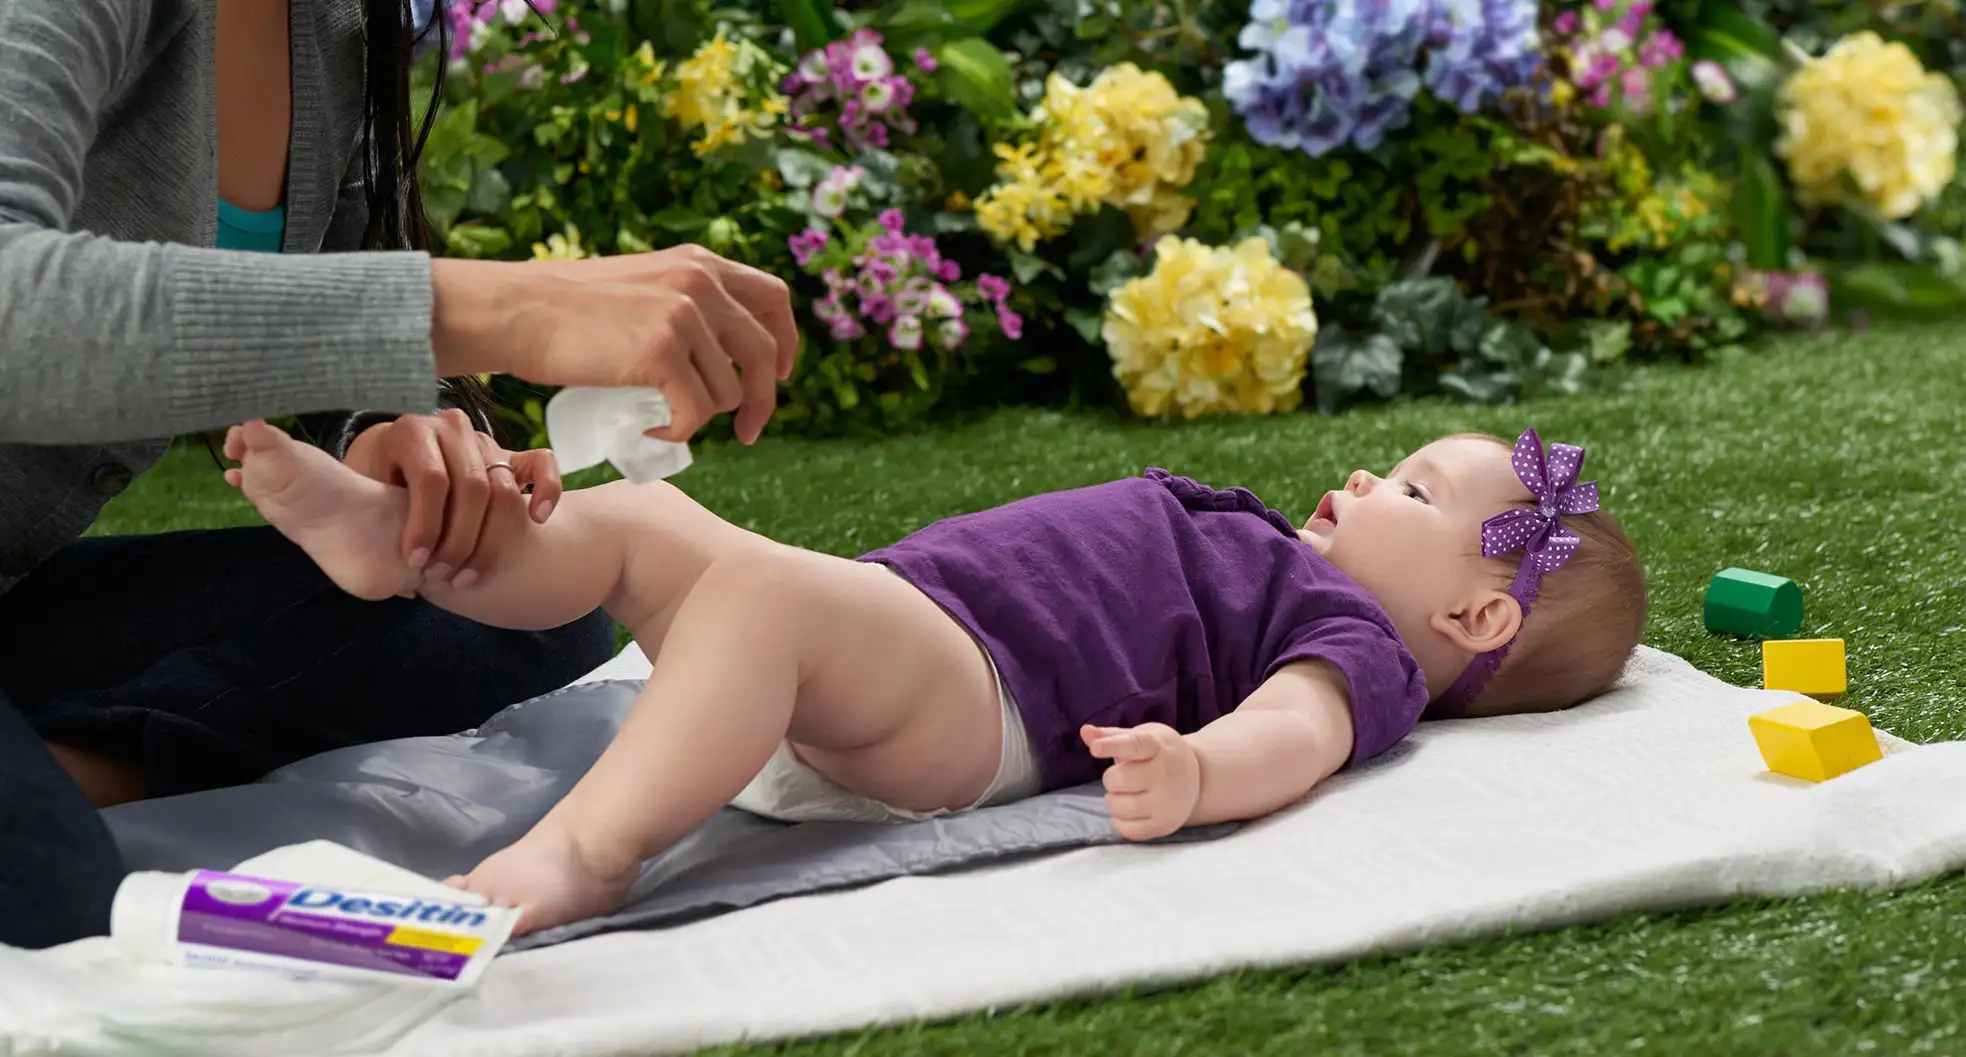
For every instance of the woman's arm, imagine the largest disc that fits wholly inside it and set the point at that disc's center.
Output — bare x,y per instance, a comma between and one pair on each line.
103,340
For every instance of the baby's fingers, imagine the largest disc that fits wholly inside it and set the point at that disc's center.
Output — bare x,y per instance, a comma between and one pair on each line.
1120,744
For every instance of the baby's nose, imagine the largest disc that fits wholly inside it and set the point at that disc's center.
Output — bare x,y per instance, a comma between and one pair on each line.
1361,482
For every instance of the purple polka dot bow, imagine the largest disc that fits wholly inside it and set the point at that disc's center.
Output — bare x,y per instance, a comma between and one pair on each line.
1538,533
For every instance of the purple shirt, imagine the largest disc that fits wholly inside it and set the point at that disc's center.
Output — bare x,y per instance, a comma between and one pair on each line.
1154,599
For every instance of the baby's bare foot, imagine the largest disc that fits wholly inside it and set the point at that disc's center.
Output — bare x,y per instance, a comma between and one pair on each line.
551,879
348,523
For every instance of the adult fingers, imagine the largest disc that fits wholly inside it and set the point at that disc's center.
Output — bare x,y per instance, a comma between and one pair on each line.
719,378
741,340
684,389
412,454
470,490
540,468
503,503
769,301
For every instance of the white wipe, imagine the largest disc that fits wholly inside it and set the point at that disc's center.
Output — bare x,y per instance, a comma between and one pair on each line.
587,427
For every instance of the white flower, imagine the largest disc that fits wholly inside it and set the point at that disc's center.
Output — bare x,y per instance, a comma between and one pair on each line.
906,333
877,96
871,63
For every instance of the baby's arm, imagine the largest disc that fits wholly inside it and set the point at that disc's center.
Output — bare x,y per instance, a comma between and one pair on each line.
1288,736
1292,733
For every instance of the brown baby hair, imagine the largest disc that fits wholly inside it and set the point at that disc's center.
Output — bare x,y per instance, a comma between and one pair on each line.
1587,619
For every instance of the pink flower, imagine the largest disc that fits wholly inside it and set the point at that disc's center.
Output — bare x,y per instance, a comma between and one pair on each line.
1011,322
891,219
807,243
846,328
1565,24
952,332
1796,299
906,333
1636,87
949,272
996,288
1660,49
1713,82
924,61
878,307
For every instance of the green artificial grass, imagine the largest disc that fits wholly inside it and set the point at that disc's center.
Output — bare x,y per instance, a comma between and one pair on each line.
1833,460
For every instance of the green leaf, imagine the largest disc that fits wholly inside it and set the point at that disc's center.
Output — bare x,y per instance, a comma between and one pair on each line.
1086,321
1115,271
1027,267
679,222
1343,365
1040,365
811,22
479,241
1894,287
801,168
1761,205
978,77
1724,32
490,193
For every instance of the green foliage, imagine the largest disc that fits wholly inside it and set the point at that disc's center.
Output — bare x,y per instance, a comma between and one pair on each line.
1540,245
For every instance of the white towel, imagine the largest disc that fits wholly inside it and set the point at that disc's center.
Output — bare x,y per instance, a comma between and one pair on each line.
1650,798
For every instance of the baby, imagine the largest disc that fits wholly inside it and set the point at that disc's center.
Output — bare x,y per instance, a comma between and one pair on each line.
1204,656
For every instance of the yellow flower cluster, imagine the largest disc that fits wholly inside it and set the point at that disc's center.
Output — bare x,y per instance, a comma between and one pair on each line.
1869,109
557,247
1211,330
1127,140
711,90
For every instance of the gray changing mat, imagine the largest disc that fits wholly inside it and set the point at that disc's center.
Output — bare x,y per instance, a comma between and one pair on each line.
440,805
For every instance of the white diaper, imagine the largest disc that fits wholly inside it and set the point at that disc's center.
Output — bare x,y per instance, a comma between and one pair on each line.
788,789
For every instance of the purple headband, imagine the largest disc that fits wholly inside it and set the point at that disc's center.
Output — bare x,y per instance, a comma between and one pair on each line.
1540,536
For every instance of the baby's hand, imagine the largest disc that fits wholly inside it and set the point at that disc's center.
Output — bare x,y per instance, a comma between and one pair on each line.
1154,782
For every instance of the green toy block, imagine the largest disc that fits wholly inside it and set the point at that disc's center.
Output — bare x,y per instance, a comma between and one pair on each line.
1753,605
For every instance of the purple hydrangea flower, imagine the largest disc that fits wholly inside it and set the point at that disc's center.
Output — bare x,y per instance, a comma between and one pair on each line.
1327,73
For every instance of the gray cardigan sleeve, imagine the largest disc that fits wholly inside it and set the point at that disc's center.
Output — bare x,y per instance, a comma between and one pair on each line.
103,340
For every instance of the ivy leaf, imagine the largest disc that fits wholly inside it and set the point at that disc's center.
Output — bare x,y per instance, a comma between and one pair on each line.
800,168
1086,321
478,240
1028,267
978,77
1114,272
1343,365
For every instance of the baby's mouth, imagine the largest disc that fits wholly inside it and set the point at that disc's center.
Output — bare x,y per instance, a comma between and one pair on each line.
1327,511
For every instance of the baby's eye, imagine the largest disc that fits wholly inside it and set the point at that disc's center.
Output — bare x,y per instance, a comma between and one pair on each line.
1413,491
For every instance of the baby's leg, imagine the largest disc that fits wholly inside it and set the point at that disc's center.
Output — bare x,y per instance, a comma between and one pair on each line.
875,685
544,576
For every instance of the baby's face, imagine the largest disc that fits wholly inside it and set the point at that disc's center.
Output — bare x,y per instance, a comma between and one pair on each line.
1412,539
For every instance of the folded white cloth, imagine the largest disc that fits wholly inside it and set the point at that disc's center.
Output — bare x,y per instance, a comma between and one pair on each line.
1652,797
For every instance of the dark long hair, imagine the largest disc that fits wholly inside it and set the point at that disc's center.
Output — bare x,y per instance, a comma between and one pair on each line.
392,143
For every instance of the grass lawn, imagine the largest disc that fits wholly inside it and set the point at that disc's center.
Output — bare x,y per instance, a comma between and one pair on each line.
1833,460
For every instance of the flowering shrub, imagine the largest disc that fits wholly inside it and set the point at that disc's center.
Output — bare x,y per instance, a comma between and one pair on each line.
1220,206
1870,112
1326,73
1211,330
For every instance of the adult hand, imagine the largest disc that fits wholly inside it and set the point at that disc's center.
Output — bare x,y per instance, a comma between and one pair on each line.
454,475
712,334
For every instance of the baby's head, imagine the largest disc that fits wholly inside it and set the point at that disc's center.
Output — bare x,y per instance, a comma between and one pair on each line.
1414,541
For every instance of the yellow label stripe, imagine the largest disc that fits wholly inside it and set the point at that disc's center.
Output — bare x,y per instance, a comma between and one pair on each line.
405,936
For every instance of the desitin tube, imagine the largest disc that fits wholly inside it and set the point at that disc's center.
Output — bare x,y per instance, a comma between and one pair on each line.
209,918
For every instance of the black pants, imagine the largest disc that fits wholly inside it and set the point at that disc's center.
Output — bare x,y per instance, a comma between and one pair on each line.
212,658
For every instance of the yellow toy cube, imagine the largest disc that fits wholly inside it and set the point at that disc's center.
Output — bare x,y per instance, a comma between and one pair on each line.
1806,666
1813,741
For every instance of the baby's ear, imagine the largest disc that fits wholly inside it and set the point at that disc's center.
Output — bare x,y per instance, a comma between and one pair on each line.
1486,620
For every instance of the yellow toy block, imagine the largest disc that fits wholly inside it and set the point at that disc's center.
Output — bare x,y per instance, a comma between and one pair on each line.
1806,666
1813,741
